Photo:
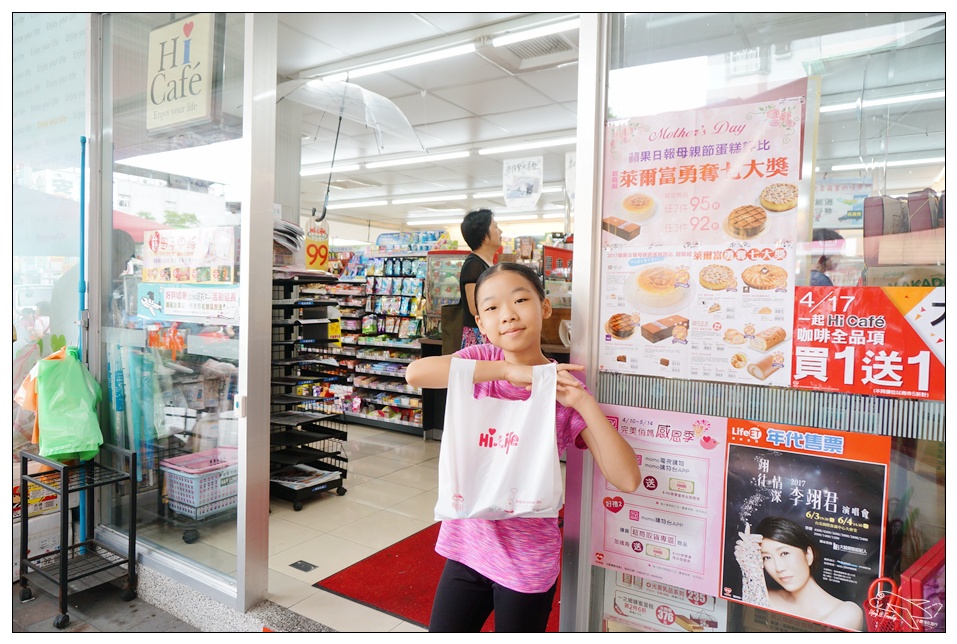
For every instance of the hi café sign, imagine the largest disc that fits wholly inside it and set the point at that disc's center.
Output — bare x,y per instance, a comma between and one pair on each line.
183,78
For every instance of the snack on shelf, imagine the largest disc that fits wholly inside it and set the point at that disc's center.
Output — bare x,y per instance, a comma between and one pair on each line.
779,196
769,338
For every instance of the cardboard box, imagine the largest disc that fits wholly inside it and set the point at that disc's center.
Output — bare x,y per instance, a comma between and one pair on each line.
44,537
922,209
882,216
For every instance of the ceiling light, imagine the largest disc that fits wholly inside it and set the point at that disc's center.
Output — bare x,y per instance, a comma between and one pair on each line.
548,189
840,107
886,164
489,195
555,216
429,158
432,222
356,204
398,202
528,217
877,102
529,145
405,62
308,172
538,32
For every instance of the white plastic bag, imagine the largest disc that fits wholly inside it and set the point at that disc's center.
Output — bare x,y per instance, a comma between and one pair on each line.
499,458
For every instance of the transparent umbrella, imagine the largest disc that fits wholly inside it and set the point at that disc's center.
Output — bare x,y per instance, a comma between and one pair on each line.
354,103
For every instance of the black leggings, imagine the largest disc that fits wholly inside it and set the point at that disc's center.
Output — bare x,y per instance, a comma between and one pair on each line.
464,599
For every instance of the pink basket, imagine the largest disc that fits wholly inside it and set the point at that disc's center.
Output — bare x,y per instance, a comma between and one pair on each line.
204,483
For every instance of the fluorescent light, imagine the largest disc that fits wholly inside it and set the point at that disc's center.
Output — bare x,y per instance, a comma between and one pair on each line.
875,102
399,202
410,61
538,32
429,158
528,217
308,172
548,189
341,76
489,195
432,222
529,145
886,164
555,216
356,204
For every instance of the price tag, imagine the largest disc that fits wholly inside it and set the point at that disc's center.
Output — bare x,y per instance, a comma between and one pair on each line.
317,254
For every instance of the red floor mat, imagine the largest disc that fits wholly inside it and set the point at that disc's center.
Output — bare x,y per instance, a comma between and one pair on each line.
401,580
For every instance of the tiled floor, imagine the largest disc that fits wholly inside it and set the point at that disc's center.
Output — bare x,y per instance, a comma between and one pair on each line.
391,494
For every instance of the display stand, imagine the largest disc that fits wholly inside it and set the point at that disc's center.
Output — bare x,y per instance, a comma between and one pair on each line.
71,563
307,428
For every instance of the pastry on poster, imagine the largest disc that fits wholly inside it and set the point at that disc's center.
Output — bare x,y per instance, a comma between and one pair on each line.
766,366
738,360
716,277
673,326
733,336
769,338
746,222
622,325
639,207
779,197
765,277
658,289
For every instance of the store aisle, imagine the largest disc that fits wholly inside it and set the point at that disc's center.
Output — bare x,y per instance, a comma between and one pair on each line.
391,486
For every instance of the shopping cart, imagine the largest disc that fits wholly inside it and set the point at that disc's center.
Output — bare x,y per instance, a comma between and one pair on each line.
201,485
882,608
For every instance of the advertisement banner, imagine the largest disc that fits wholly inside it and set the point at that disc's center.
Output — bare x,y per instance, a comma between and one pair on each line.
654,607
700,216
190,255
839,203
805,516
878,341
164,303
523,182
669,529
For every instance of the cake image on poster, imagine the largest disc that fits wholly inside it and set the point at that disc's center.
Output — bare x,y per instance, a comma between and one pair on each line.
639,207
733,336
779,197
765,277
716,277
622,325
768,338
747,222
658,289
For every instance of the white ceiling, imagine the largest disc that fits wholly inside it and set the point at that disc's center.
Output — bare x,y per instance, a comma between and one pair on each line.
493,96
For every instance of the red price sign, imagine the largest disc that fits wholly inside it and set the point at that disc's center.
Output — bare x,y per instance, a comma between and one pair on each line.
317,254
872,340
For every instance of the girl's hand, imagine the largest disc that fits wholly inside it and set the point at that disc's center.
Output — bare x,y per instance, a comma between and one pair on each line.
520,375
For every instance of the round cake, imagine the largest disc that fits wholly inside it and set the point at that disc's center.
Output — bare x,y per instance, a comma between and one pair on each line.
622,325
715,277
639,206
765,276
746,222
779,196
655,287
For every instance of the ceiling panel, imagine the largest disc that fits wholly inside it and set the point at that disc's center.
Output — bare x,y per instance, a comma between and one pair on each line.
494,97
548,118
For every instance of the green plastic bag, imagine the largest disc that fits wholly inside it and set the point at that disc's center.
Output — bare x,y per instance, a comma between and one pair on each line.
67,396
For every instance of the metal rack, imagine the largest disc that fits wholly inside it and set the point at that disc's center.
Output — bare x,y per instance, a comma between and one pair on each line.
87,557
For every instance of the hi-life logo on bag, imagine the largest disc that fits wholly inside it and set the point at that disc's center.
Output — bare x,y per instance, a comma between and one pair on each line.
506,442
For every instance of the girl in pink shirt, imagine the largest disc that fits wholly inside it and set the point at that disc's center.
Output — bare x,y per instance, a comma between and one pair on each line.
511,566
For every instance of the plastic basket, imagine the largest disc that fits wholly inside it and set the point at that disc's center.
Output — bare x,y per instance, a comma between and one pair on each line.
201,484
881,610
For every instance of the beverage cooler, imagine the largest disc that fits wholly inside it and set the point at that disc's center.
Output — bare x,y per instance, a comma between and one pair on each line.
442,286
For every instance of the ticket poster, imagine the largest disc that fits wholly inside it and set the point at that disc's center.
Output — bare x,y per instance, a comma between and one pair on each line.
669,530
190,255
706,313
805,510
656,607
879,341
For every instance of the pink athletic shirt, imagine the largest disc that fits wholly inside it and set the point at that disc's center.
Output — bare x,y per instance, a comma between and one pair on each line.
521,554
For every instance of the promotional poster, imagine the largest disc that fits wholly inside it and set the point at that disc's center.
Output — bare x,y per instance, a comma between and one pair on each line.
804,520
878,341
655,607
700,217
669,529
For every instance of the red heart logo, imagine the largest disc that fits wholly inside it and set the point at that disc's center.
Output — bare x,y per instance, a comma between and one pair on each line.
614,504
491,431
188,28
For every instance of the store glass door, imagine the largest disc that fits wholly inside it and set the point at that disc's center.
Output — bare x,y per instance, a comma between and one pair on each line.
171,327
772,201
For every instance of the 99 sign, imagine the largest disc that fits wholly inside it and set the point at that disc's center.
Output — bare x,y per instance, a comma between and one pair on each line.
317,255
